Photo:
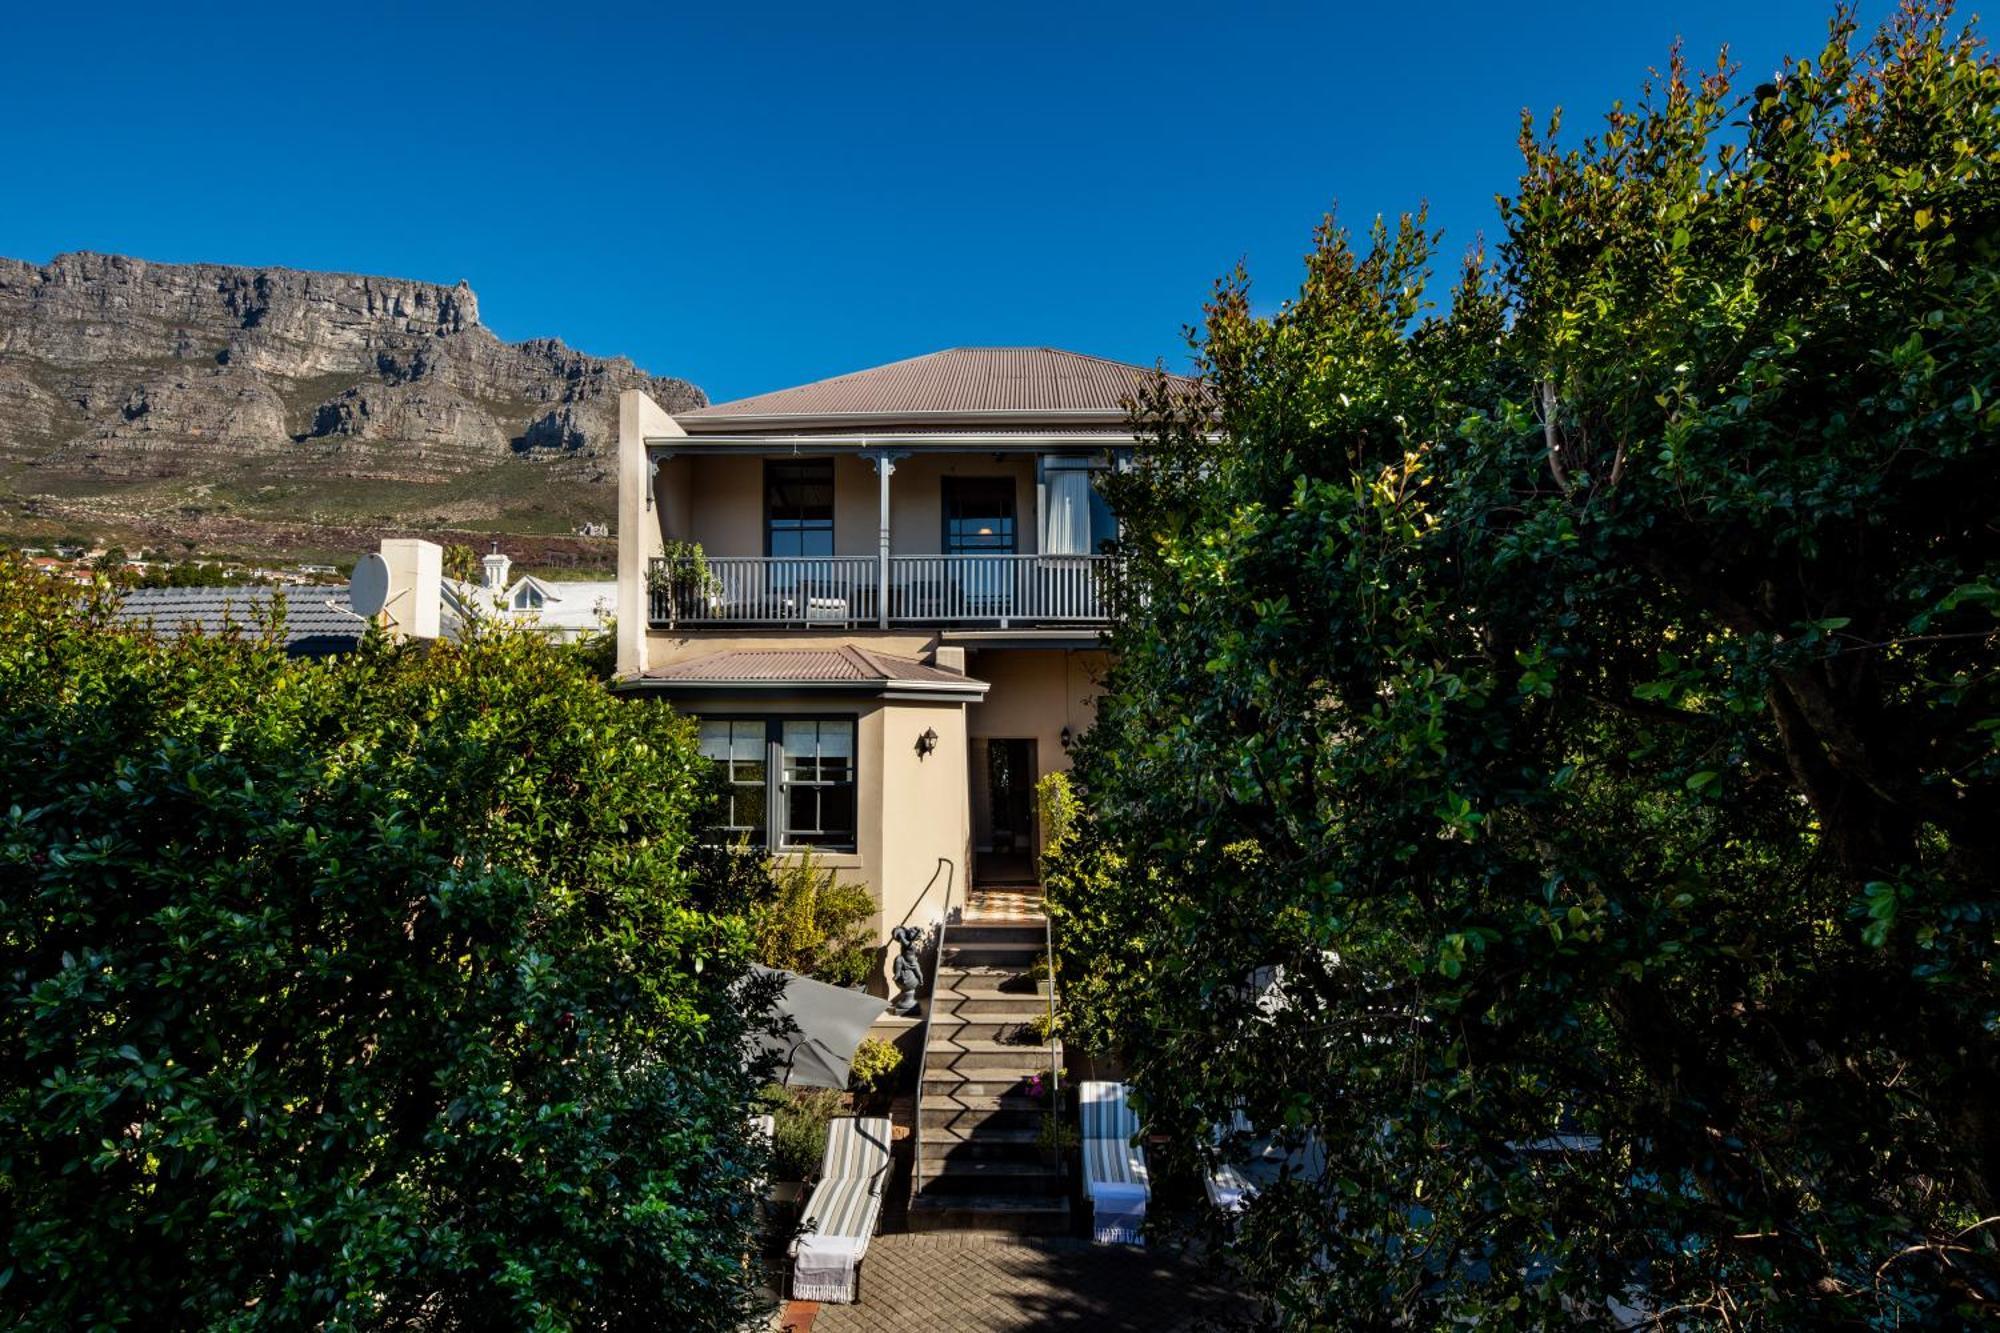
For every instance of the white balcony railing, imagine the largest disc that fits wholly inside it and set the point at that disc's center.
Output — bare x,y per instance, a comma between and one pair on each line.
1001,590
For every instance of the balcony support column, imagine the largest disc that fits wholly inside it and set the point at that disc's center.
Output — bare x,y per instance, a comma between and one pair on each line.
885,467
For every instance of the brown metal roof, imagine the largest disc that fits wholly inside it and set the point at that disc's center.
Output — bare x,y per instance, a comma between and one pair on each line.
983,386
845,665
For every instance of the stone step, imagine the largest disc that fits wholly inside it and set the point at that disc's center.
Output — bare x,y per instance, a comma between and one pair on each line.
984,1054
944,1111
973,1087
1019,1214
983,1134
1010,1030
977,1175
997,932
991,953
1024,1149
997,986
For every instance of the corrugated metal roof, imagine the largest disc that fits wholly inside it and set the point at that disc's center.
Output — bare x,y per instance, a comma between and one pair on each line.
846,665
974,384
318,621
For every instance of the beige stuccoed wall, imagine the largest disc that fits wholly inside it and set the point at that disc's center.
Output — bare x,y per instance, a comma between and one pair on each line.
1035,694
639,524
916,499
911,810
719,502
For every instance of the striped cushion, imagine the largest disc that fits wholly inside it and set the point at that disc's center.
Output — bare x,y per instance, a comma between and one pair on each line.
844,1206
1106,1114
857,1149
1111,1162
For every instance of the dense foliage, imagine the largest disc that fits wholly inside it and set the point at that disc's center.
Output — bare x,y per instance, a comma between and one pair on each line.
377,992
1589,698
804,918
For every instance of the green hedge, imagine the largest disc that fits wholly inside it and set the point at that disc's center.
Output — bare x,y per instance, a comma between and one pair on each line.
355,993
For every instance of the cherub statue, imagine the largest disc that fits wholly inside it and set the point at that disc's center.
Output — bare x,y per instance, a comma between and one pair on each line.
909,970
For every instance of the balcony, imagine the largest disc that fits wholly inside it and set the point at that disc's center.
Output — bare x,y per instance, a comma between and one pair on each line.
1008,591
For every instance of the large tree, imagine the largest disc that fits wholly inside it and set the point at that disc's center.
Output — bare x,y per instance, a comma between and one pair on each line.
1587,698
377,992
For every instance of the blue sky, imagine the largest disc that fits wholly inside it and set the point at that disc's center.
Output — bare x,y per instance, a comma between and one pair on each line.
756,196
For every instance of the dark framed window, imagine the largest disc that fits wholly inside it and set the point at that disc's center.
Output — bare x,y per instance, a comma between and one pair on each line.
817,775
798,507
737,747
979,516
787,781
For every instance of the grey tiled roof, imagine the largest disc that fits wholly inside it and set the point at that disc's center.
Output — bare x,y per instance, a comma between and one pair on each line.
845,665
971,385
318,621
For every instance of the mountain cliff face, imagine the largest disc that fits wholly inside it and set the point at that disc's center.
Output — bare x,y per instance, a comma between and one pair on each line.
203,391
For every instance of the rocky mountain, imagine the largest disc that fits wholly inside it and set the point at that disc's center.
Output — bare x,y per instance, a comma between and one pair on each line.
194,398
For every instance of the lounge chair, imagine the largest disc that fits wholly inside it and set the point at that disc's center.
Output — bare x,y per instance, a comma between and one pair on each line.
1114,1167
1231,1186
840,1216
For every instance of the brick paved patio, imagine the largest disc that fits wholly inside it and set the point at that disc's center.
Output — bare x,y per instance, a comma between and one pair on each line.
956,1282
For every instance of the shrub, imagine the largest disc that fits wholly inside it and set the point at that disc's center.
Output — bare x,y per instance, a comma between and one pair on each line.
798,1140
875,1062
1574,714
362,992
813,924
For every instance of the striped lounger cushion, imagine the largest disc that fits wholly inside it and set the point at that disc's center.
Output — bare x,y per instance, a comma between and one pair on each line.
1114,1168
826,1261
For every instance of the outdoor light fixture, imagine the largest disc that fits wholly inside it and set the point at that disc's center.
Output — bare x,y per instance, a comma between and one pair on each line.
1066,737
926,742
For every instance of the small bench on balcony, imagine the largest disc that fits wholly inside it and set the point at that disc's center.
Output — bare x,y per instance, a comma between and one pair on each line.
1005,591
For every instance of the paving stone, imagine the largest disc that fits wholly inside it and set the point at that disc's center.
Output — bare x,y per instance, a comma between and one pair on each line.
971,1282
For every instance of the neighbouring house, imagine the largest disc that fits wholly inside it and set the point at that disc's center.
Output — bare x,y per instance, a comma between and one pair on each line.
318,622
883,596
565,609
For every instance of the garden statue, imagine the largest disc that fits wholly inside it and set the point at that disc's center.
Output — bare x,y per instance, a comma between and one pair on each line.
909,970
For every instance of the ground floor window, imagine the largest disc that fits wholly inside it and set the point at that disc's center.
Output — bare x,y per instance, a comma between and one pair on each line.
787,782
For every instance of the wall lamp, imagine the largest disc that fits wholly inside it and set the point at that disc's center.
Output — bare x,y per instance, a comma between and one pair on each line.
1067,739
926,743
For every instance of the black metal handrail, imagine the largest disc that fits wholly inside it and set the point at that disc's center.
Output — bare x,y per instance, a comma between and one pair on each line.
930,1009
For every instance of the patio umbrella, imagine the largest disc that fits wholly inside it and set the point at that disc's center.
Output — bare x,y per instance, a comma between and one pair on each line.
830,1022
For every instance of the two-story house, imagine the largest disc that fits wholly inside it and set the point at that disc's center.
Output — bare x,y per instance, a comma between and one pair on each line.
898,628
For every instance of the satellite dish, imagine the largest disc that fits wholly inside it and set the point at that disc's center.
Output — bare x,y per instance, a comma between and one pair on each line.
368,589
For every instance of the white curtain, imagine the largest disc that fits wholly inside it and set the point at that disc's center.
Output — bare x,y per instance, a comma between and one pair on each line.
1067,526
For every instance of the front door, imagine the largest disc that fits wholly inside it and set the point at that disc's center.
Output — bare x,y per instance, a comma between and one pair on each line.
1004,812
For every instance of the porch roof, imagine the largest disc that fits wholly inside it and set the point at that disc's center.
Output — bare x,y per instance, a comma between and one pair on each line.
846,669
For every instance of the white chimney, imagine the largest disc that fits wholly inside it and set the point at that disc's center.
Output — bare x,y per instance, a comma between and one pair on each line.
416,594
496,572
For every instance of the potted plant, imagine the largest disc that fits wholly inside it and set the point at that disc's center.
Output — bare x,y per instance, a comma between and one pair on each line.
872,1076
1039,974
681,572
1056,1138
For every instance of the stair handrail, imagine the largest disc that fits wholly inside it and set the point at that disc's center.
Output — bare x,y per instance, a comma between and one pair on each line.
949,869
930,1009
1055,1041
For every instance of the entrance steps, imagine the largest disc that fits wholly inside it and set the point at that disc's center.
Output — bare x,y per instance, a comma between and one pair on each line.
980,1163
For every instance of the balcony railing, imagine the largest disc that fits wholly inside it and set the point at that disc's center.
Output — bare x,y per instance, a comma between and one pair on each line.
846,591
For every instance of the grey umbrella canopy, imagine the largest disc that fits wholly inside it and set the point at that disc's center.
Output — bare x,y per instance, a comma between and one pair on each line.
830,1022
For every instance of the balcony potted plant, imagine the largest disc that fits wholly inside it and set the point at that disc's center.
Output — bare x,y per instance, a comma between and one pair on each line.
681,573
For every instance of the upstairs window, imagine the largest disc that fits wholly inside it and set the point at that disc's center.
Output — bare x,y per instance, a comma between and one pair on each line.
528,599
798,507
979,516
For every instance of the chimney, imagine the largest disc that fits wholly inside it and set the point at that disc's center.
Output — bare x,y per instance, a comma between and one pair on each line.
497,566
416,587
